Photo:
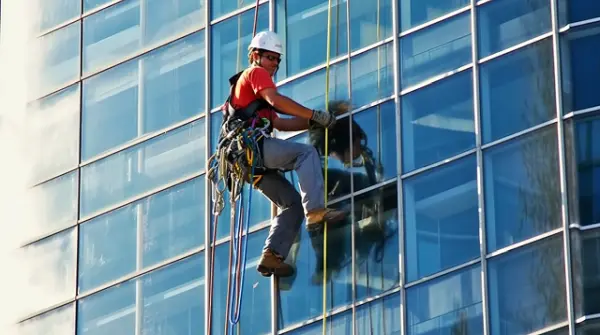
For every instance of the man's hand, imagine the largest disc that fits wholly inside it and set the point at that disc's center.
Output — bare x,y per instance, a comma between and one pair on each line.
324,119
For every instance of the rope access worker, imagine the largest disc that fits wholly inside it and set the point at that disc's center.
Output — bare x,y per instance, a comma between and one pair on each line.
254,95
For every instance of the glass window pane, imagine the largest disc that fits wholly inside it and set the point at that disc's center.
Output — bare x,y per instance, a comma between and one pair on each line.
438,121
338,324
517,91
538,300
92,4
460,311
580,10
55,204
373,75
53,133
56,322
221,7
377,147
303,27
229,50
589,327
376,241
442,218
580,68
172,302
522,191
130,26
47,271
53,60
162,160
370,22
416,12
46,14
379,317
434,50
506,23
585,246
255,311
144,95
301,296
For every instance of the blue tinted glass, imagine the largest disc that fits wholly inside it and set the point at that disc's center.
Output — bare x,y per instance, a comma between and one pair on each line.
460,312
111,311
55,204
338,324
505,23
522,193
91,4
379,317
171,223
55,258
588,327
527,288
127,27
585,246
372,75
416,12
376,241
442,221
255,310
301,296
585,166
432,51
139,169
173,298
370,22
144,95
222,7
59,321
580,10
437,121
580,68
216,120
376,146
517,91
229,50
50,13
53,61
53,133
303,27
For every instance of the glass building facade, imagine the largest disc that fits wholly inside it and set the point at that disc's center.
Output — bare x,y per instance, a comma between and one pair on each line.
122,111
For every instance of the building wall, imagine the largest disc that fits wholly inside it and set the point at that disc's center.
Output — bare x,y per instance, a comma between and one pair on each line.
481,124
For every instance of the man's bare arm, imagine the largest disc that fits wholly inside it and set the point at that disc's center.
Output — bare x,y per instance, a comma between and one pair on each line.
285,104
293,124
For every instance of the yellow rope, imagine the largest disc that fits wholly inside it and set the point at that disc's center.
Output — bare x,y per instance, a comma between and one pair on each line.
325,170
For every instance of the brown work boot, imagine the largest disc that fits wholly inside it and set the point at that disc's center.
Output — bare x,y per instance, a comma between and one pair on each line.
317,217
271,263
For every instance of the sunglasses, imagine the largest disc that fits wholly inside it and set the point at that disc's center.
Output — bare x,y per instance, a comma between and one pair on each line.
272,58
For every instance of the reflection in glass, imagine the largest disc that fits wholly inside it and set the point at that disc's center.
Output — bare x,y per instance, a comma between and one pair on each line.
434,50
338,324
579,64
222,7
162,160
59,321
442,218
522,192
256,303
450,304
171,223
527,288
379,316
370,22
506,23
53,133
122,30
144,95
303,27
171,302
372,75
585,246
438,121
53,60
301,296
46,14
517,91
229,50
580,10
588,327
48,271
92,4
376,241
55,204
417,12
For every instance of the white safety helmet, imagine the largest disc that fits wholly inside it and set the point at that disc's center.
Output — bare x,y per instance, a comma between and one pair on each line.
267,40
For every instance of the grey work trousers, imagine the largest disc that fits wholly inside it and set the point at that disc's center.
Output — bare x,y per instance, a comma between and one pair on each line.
304,159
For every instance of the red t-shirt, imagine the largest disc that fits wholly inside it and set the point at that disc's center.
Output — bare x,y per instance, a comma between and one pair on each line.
252,81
